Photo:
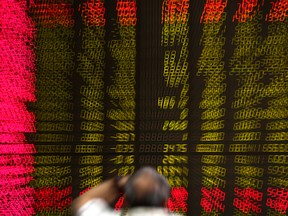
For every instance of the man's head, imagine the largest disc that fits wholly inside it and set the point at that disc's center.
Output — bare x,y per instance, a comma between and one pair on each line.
147,188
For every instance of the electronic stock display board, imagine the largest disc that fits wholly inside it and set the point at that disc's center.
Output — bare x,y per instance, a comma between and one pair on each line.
90,89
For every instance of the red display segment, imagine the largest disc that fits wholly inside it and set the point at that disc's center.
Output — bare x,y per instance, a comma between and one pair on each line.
48,198
247,10
85,190
16,160
17,149
248,193
178,200
213,11
277,199
175,11
93,12
51,15
278,12
119,204
17,87
248,199
126,11
212,199
246,206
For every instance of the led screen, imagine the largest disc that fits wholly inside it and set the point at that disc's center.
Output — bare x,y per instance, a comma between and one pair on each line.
90,89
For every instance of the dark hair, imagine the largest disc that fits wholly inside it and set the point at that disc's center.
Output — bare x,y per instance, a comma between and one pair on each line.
156,195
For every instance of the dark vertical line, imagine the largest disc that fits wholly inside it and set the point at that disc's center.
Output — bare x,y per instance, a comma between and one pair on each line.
76,83
231,85
264,156
110,29
138,84
107,73
196,87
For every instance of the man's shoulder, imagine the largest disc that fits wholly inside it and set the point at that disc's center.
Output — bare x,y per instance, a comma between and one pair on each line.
97,207
142,211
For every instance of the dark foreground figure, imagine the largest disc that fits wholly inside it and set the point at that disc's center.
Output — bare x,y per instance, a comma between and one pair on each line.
146,193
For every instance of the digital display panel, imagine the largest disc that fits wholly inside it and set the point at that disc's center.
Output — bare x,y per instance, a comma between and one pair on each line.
91,89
